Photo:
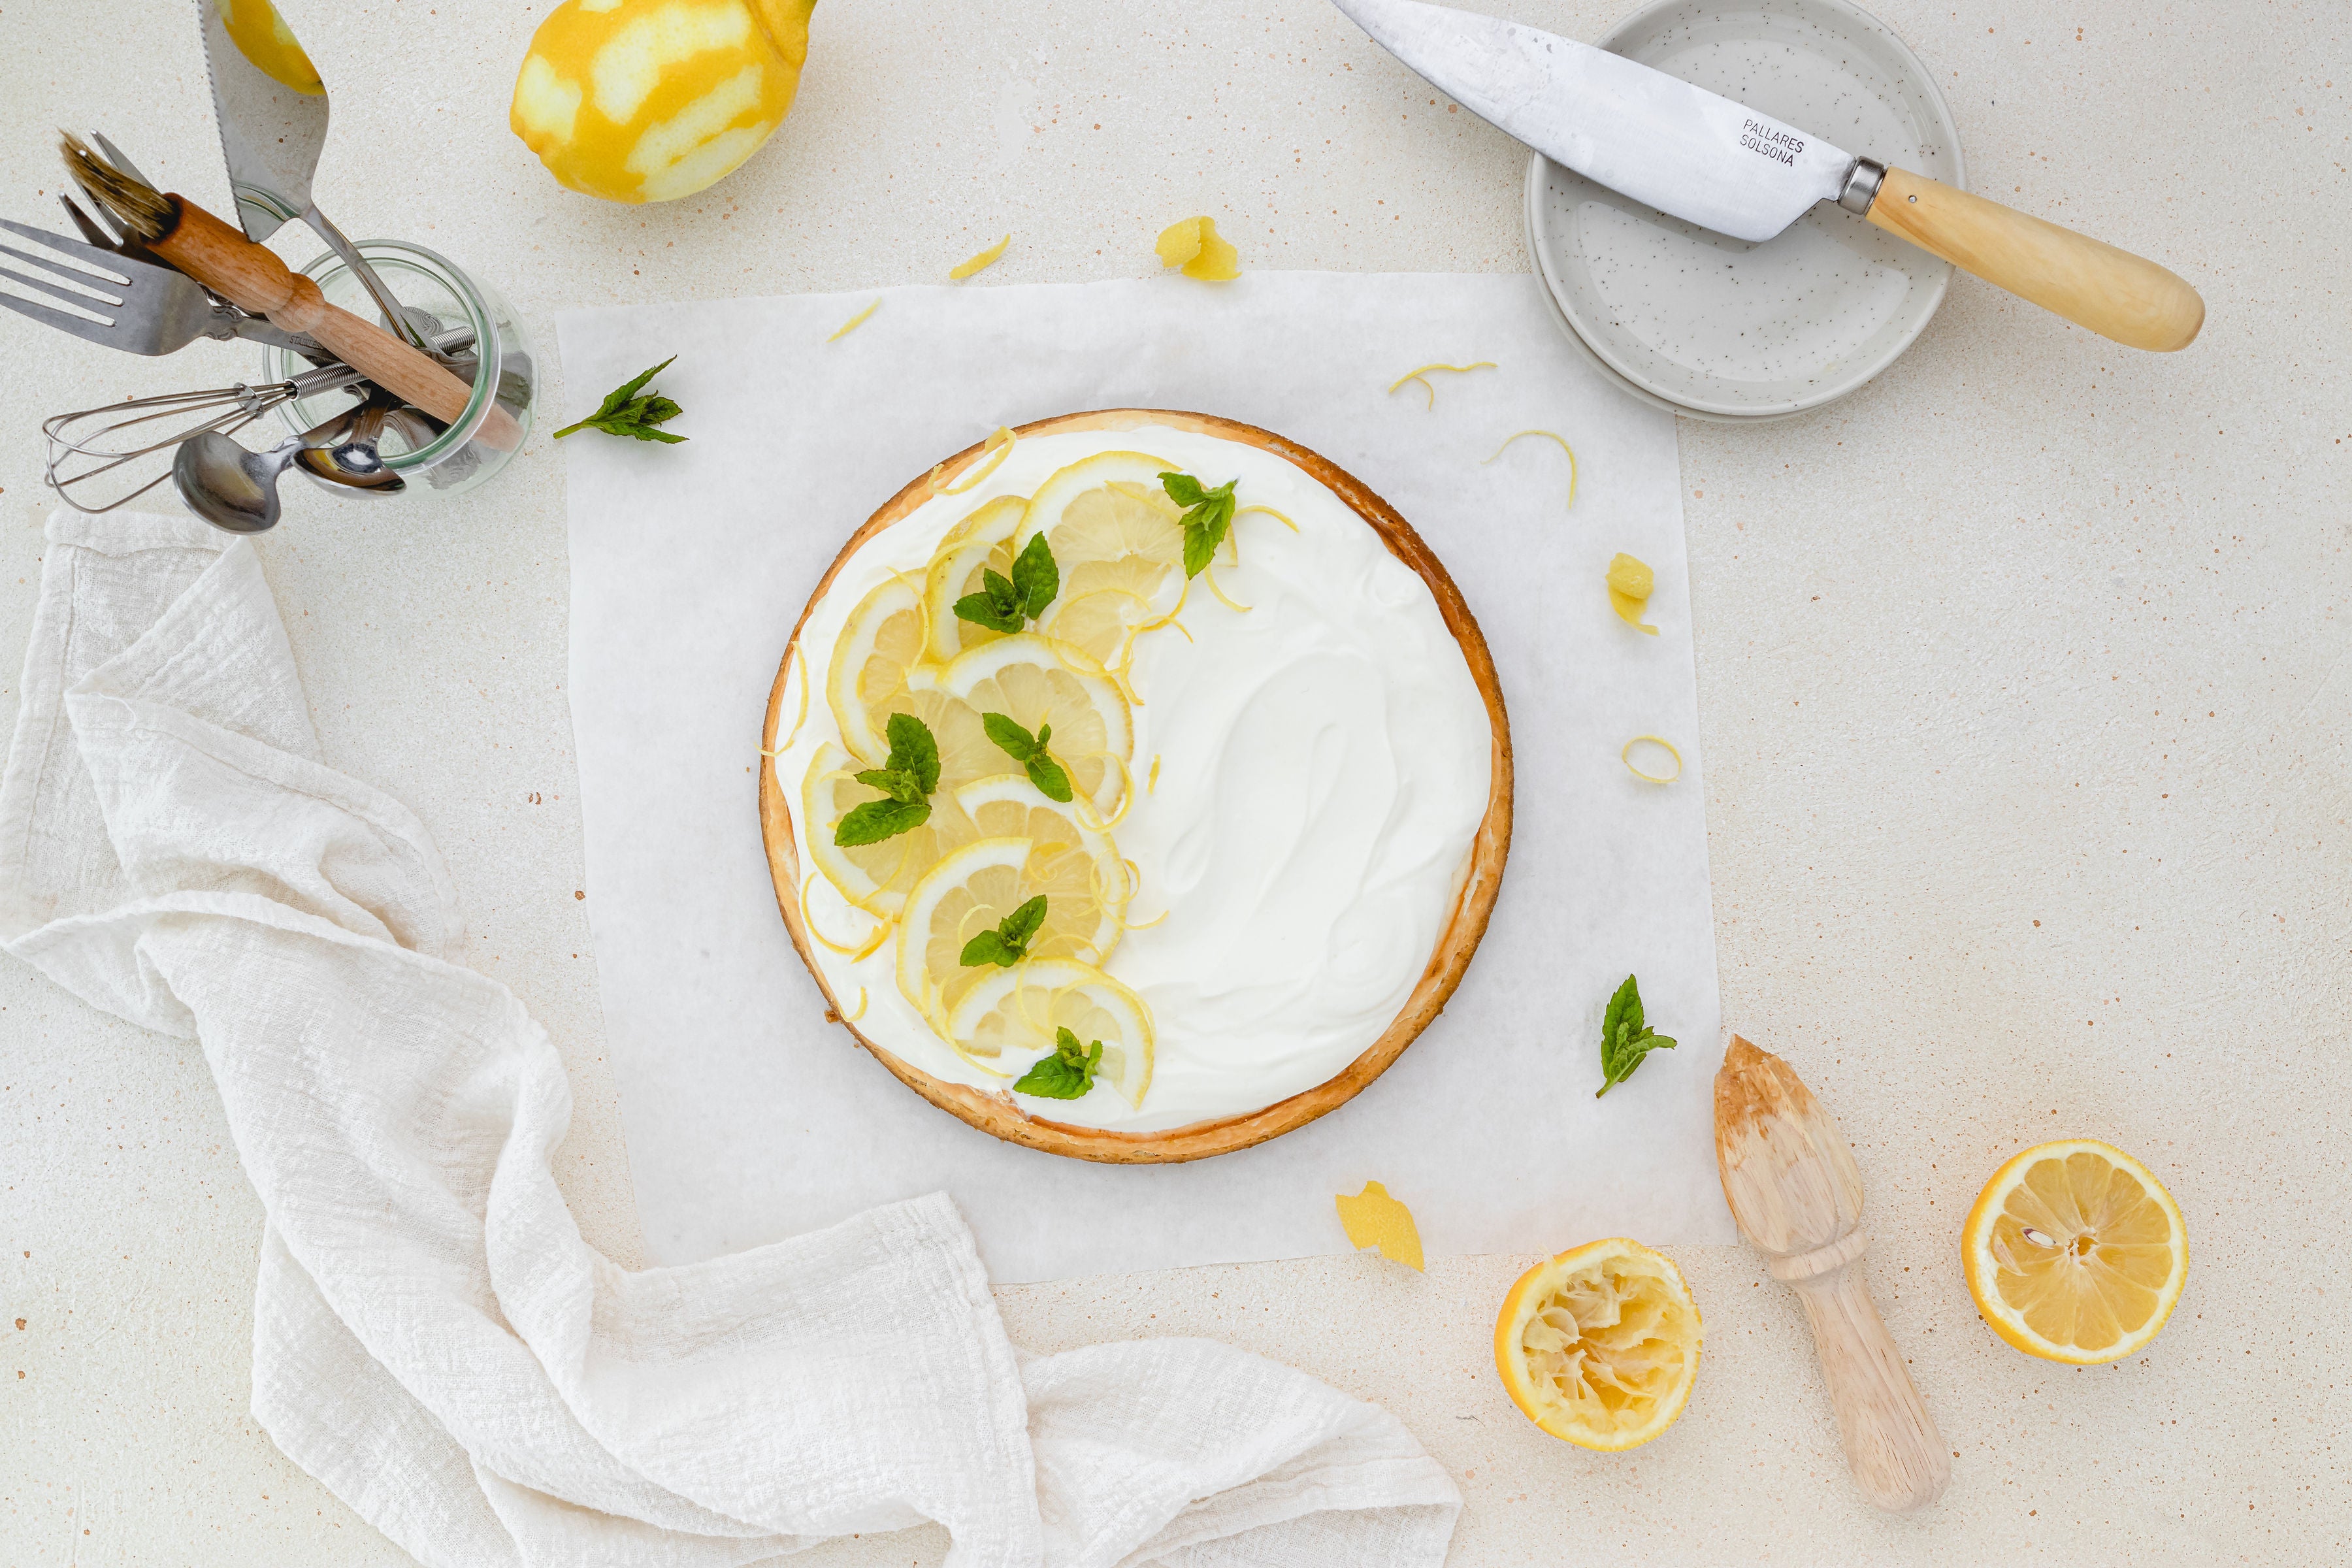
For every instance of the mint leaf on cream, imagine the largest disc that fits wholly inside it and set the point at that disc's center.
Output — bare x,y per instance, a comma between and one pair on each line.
1067,1074
1208,514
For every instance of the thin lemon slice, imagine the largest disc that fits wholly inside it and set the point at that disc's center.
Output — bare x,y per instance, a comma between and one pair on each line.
973,889
1092,630
874,876
981,542
1008,1021
1599,1345
1106,507
879,644
1023,679
2074,1252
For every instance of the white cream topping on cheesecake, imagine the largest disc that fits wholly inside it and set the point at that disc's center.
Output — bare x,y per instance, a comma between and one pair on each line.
1323,763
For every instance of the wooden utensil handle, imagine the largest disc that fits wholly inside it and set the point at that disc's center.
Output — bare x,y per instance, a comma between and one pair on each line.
2115,293
254,278
1890,1442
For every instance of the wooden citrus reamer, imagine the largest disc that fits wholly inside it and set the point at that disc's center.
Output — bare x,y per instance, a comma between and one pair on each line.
1792,1185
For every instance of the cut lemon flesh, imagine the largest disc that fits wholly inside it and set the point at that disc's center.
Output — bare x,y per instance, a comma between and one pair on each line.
880,642
1023,679
1105,508
2074,1252
874,876
1600,1344
973,889
980,544
1008,1021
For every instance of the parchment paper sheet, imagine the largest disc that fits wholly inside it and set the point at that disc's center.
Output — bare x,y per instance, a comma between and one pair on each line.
749,1118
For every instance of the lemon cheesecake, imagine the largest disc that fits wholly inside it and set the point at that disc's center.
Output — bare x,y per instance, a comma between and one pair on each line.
1136,786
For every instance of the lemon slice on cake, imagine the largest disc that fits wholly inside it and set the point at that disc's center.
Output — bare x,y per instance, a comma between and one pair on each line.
880,642
1108,524
1599,1345
981,542
1007,1022
1023,679
974,888
875,878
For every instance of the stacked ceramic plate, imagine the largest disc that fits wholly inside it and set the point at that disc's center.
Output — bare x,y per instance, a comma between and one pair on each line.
1719,329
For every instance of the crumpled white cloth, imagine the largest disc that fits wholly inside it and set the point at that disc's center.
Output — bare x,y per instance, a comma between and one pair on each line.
433,1339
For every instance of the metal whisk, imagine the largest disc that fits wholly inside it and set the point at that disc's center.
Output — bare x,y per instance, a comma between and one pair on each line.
87,445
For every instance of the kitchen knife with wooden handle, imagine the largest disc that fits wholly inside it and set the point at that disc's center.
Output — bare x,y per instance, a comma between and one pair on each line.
1738,170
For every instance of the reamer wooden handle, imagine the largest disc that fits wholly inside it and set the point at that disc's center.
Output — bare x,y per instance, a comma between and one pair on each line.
1890,1442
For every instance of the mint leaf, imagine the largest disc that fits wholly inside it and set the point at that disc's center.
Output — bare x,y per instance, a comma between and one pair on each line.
913,749
880,819
997,606
906,778
1011,739
1047,775
1208,514
1067,1074
1008,944
1625,1039
1036,577
624,412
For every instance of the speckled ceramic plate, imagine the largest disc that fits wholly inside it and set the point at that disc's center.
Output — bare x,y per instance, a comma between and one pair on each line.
1691,321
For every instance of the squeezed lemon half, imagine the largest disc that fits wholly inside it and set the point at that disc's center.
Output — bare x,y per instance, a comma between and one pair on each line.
1600,1344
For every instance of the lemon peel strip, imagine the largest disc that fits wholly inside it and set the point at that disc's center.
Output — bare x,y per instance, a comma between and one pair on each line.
980,263
1153,783
1271,512
863,998
1626,757
856,322
1373,1218
999,447
802,718
1421,375
808,919
1564,447
1209,572
1144,925
1630,581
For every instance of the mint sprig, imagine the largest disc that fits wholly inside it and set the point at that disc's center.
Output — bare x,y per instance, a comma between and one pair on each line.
1008,603
1067,1074
1029,750
906,778
1208,514
1008,944
624,412
1625,1039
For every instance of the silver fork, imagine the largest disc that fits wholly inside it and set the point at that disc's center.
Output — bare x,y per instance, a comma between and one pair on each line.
140,307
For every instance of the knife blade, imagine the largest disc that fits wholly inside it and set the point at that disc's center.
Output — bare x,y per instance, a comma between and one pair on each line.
1678,148
271,136
1710,161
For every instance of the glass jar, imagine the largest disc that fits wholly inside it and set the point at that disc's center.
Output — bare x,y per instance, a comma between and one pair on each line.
423,452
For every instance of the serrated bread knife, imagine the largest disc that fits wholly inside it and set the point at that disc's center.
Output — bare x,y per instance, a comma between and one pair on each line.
1741,173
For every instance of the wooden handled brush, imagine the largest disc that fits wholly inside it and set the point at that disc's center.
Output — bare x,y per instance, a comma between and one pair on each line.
1793,1187
253,277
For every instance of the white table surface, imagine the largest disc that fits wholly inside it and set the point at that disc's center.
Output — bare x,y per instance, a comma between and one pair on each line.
2026,684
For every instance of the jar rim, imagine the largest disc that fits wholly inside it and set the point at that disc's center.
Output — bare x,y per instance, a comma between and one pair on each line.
325,266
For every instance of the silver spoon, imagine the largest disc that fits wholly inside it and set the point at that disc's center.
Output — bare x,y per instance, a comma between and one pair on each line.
237,490
352,462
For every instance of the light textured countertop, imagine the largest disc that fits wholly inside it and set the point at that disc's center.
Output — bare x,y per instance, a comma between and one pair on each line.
2026,682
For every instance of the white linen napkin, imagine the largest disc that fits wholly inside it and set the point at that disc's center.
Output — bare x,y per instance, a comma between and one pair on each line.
433,1339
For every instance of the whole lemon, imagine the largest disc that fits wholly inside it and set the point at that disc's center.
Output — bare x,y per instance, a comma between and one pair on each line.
648,100
262,36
